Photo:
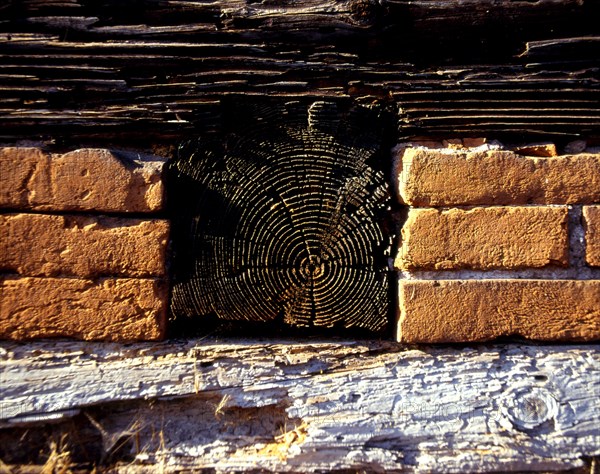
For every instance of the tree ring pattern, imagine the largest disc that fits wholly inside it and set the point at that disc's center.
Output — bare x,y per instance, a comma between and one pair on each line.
281,220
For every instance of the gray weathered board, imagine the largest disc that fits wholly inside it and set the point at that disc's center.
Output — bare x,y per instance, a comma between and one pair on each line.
307,406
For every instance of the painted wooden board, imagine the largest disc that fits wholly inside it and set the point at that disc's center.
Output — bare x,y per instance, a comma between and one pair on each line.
308,406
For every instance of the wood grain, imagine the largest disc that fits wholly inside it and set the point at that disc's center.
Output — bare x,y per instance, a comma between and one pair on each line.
282,219
304,406
92,72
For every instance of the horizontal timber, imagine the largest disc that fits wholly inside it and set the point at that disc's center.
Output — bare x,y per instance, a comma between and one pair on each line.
305,406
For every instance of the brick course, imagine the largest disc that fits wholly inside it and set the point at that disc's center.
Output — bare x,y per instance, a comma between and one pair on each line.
83,246
430,178
82,180
481,310
484,238
111,309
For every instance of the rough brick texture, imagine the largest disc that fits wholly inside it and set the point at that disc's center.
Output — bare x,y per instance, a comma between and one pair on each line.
52,245
86,179
537,149
107,309
591,214
484,238
480,310
448,178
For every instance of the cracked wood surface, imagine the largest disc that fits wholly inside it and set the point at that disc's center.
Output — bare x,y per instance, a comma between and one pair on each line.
306,406
95,72
283,221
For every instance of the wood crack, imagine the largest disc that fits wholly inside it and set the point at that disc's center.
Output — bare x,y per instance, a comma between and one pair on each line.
361,405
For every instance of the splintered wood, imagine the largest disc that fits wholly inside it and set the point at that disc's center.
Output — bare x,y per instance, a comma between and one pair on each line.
281,220
95,72
247,406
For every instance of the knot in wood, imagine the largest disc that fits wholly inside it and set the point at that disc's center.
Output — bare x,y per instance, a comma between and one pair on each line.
365,12
528,408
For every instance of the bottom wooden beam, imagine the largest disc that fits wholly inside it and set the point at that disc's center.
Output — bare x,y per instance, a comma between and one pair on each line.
250,405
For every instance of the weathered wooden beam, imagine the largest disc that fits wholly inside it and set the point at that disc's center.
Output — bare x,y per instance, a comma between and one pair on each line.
321,18
83,71
304,406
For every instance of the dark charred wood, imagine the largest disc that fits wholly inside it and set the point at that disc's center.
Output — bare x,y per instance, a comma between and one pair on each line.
281,220
84,71
491,23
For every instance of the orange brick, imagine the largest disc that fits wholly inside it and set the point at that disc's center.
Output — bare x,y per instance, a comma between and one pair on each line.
537,149
481,310
484,238
52,245
110,309
86,179
591,215
429,178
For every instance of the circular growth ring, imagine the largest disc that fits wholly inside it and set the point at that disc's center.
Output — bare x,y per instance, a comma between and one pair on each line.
281,220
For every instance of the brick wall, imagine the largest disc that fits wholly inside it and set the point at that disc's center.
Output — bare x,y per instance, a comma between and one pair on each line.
498,243
494,243
82,253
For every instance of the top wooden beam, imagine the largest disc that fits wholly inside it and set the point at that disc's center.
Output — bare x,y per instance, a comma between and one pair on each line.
84,71
315,21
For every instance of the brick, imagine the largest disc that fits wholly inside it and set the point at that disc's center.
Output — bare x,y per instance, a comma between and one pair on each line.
537,149
109,309
83,246
484,238
482,310
86,179
451,178
591,215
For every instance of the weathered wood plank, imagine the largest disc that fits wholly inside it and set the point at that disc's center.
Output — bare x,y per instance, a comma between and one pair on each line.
324,18
307,406
98,71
